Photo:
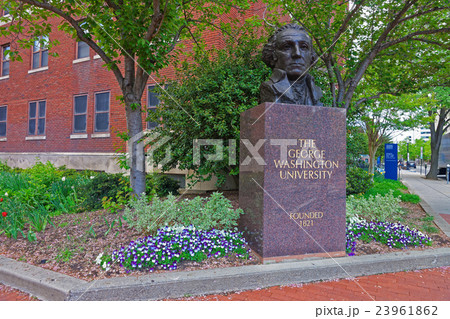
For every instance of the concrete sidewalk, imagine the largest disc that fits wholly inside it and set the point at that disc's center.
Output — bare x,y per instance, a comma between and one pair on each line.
435,195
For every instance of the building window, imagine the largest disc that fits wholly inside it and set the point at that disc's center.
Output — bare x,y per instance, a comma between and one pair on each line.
82,50
40,52
80,114
4,55
101,112
152,103
36,118
2,121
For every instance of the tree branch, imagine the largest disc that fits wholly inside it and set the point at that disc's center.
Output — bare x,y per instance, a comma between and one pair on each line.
112,5
363,65
421,13
412,35
345,24
429,41
157,20
177,36
340,82
373,97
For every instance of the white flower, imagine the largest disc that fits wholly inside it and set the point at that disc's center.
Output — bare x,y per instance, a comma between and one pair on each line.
6,194
105,266
63,179
92,177
73,187
98,260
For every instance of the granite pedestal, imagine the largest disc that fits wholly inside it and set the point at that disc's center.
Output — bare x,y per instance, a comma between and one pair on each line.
292,180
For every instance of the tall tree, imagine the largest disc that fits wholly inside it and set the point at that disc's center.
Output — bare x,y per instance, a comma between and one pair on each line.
381,117
134,38
415,149
349,35
439,115
434,112
214,88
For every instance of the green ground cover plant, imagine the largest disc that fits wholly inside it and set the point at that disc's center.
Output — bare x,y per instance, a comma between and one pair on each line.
383,186
203,213
374,208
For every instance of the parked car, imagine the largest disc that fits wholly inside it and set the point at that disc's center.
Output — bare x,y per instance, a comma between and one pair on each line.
410,164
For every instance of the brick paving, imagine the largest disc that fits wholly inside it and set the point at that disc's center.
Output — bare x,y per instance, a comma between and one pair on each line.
422,285
446,217
10,294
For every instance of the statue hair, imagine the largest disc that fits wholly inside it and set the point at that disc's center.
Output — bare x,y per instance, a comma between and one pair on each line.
268,52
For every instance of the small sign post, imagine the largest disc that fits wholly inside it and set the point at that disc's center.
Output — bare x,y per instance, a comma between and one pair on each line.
421,159
390,161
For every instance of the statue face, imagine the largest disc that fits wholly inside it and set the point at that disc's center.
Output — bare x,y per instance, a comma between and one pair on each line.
293,53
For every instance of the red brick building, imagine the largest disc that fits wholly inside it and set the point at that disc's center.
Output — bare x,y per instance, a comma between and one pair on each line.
64,108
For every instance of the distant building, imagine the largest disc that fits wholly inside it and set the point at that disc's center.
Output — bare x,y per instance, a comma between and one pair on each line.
425,134
413,135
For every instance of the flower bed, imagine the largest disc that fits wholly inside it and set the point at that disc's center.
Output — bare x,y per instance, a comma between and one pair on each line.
172,245
71,246
394,235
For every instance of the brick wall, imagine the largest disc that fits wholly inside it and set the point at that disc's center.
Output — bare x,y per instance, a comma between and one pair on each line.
58,85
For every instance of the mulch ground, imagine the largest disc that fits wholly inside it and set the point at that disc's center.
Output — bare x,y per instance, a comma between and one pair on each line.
72,245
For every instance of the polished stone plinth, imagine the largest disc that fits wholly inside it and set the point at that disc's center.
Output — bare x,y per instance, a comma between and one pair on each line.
292,179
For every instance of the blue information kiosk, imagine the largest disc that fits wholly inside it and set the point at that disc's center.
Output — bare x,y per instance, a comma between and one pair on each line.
390,161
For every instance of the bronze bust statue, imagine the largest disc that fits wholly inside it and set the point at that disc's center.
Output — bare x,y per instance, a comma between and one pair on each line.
289,53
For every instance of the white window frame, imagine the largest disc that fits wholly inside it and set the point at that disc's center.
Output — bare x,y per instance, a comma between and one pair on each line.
95,112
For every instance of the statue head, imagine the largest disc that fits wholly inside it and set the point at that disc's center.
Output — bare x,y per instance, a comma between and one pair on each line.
290,49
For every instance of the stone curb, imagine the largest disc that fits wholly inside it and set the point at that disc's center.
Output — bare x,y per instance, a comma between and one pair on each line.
42,283
48,285
438,220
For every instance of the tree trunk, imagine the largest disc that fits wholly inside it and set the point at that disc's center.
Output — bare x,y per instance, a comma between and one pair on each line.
372,152
374,140
432,173
135,146
435,142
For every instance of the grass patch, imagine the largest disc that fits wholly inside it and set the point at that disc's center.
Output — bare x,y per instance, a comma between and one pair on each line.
383,186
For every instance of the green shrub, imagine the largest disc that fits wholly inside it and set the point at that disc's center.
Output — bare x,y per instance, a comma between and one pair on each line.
31,197
100,186
44,174
4,167
383,186
374,208
161,184
358,181
64,194
203,213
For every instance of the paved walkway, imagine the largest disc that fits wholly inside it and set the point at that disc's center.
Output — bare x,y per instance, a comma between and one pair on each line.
11,294
423,285
435,195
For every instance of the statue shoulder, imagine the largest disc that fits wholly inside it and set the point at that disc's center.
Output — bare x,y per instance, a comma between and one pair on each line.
267,92
315,90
